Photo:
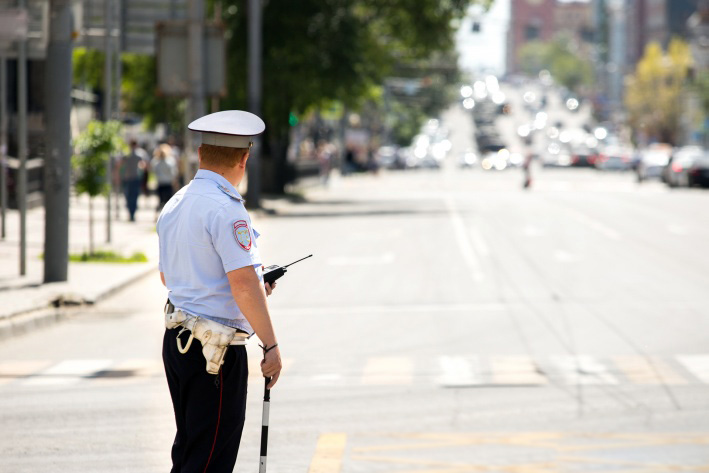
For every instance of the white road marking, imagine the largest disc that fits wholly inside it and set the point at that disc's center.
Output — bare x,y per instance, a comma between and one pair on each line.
594,224
566,257
583,369
533,231
463,240
698,365
386,258
641,371
391,309
11,370
512,370
676,229
478,241
67,372
388,371
459,371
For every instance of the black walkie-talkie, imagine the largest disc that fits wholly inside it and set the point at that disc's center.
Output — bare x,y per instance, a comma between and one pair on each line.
271,273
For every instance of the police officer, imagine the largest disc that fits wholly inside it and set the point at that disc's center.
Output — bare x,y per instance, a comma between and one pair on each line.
211,266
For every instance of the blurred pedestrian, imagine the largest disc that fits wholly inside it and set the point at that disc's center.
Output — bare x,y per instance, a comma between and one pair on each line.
527,169
146,169
132,168
324,155
164,168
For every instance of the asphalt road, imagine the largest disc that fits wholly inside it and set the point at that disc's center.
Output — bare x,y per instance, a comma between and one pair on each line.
449,322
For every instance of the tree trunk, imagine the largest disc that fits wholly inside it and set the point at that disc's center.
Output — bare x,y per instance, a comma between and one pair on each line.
91,226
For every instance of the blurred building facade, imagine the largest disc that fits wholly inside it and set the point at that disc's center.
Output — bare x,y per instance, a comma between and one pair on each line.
543,20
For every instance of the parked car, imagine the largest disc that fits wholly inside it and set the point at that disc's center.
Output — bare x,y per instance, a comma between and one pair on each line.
653,161
583,156
699,171
617,158
676,173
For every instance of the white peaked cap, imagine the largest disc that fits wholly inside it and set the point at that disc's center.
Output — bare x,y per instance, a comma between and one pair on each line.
230,128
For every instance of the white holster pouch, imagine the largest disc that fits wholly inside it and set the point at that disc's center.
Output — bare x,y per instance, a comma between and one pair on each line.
215,337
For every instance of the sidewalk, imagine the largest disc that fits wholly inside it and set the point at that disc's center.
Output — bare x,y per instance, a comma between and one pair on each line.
25,302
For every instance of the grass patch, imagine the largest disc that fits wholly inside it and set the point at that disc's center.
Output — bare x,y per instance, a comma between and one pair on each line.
107,257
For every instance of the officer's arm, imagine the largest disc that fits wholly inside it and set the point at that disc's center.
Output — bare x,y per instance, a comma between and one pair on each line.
162,278
250,296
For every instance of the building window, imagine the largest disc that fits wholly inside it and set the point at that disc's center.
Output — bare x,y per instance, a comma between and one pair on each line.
531,32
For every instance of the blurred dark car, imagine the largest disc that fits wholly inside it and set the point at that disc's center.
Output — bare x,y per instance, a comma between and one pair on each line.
583,156
699,171
676,173
614,158
653,161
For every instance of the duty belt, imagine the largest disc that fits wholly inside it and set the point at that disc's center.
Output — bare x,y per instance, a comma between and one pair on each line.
215,337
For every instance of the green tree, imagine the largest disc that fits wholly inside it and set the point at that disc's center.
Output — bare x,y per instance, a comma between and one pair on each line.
653,94
93,150
316,51
557,56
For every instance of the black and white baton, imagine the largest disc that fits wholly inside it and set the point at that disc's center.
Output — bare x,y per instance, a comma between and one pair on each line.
264,426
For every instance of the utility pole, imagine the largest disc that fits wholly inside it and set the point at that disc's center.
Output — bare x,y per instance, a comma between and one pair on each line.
3,145
22,144
195,61
108,101
253,193
57,92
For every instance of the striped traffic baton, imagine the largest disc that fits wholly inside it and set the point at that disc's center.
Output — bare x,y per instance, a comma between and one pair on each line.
264,426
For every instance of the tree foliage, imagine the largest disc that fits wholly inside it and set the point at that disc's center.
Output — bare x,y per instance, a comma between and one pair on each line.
654,91
557,56
316,51
93,148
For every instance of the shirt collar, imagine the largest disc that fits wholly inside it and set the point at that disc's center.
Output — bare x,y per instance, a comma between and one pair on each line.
223,185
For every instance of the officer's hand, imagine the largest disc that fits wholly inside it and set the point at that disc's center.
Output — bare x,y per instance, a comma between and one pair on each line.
269,287
271,366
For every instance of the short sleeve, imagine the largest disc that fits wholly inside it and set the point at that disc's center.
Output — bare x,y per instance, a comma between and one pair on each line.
233,238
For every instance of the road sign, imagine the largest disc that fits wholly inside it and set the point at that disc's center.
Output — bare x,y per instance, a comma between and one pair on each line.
172,63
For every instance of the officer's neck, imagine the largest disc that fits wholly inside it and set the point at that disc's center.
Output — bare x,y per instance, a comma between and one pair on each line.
233,175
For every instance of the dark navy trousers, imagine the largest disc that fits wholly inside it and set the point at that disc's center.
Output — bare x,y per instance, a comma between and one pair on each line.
209,409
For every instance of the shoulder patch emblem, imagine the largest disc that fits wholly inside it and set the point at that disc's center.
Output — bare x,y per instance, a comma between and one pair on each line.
242,234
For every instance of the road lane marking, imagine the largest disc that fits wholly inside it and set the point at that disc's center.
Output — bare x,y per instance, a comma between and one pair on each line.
478,240
457,371
583,369
388,371
390,309
641,371
328,453
461,236
566,257
516,370
11,370
698,365
594,224
377,260
67,372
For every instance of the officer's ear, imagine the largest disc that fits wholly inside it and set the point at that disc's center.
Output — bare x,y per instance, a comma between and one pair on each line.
242,164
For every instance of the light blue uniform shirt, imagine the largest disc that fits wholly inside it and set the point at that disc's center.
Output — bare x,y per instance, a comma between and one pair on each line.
204,233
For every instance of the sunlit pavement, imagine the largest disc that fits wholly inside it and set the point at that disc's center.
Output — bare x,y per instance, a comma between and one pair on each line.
449,322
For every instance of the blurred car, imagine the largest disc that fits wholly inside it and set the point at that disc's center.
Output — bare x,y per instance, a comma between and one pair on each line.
614,158
556,155
467,159
699,171
388,157
653,161
676,173
583,156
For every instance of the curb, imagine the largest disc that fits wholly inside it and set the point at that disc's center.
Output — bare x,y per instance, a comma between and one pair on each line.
43,316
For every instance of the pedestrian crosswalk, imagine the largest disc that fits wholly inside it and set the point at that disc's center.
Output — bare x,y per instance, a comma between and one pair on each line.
445,371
